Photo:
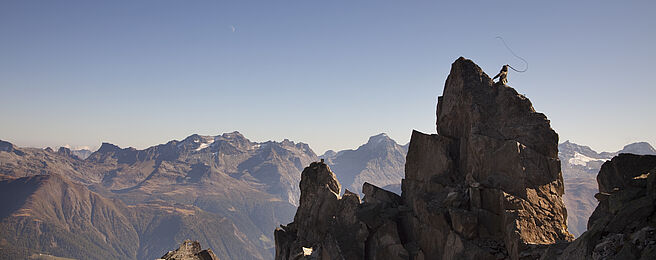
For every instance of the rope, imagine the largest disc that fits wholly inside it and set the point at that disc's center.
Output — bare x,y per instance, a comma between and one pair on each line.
513,53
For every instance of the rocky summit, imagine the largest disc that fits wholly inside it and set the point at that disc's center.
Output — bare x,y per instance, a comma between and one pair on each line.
190,250
488,185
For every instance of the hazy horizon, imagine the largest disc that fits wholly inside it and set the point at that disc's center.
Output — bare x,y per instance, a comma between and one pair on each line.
364,141
327,74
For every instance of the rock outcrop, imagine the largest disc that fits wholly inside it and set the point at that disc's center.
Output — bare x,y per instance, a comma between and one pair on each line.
623,226
327,226
487,186
190,250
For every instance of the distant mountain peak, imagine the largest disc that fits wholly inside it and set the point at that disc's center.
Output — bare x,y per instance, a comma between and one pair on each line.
192,138
108,147
234,134
640,148
66,152
380,138
329,153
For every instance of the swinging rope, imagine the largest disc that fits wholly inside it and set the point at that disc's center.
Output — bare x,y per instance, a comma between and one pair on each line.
513,53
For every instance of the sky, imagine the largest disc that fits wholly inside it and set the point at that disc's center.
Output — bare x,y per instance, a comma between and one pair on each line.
327,73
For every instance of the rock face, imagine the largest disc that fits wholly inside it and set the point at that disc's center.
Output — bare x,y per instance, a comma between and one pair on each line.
623,226
487,186
190,250
327,226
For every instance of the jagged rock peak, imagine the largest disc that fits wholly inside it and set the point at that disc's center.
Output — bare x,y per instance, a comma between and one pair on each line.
234,134
380,138
473,104
108,147
65,152
318,185
329,227
318,175
190,250
488,185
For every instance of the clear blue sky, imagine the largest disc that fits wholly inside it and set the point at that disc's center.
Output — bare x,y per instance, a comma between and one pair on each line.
328,73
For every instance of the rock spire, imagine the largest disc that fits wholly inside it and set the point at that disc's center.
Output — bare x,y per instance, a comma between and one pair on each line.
488,185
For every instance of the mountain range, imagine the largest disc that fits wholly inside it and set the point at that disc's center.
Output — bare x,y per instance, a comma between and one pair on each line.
225,191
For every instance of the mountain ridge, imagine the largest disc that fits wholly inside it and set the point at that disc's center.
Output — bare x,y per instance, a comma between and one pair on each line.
220,177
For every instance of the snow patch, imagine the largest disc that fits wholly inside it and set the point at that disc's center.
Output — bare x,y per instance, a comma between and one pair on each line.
580,159
204,145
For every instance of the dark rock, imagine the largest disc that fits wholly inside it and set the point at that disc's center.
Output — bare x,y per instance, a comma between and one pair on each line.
487,186
621,171
623,224
327,226
491,173
67,152
375,195
190,250
10,148
6,146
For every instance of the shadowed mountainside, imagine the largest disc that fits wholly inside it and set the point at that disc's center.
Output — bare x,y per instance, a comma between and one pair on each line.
233,186
62,218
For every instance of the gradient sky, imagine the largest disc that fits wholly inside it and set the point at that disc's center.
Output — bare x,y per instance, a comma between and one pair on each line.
327,73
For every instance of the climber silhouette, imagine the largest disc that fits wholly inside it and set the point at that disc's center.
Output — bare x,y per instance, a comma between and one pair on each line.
503,75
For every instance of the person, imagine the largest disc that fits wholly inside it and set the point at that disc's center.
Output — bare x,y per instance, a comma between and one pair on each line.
503,75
